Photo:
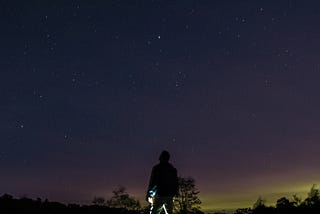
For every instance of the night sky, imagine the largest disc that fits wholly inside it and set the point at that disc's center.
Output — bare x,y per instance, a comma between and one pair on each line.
92,91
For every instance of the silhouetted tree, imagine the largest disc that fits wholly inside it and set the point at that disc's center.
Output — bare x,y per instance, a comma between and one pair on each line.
296,200
121,199
187,200
284,204
99,201
313,199
259,204
6,197
259,207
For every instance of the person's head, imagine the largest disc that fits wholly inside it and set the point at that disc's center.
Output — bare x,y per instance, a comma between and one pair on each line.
164,156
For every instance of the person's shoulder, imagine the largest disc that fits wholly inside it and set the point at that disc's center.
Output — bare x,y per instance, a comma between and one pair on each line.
157,166
171,167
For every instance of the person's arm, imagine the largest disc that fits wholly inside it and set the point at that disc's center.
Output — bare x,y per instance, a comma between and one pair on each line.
151,182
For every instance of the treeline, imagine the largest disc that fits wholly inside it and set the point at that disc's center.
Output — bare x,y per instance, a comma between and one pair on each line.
295,205
120,203
10,205
186,203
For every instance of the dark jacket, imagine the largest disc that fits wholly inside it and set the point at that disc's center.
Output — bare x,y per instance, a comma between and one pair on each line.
164,177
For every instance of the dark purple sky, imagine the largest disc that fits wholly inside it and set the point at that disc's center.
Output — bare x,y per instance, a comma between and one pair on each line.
92,91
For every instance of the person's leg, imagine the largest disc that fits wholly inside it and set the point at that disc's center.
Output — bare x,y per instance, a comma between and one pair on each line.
157,206
162,204
169,205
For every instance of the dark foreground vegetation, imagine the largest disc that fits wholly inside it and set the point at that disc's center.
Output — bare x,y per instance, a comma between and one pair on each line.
9,205
310,205
187,203
120,203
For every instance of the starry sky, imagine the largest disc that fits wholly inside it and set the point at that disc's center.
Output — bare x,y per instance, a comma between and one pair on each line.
92,91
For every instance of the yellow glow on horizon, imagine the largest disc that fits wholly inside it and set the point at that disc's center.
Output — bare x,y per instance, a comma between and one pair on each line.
269,187
238,200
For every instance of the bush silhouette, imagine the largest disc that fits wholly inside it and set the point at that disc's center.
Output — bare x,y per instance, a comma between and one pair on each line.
121,199
188,200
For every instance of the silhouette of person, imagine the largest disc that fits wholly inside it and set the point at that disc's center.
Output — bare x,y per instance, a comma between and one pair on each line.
163,185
